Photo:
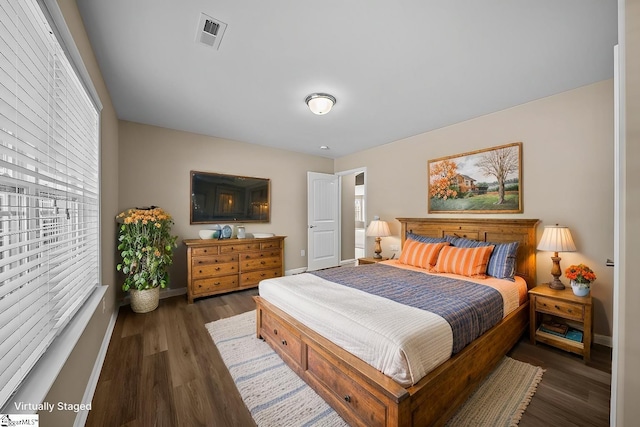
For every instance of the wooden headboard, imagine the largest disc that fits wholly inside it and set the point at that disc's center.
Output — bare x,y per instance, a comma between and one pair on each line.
487,230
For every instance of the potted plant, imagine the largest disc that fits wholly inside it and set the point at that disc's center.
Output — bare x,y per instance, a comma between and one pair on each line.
146,247
581,277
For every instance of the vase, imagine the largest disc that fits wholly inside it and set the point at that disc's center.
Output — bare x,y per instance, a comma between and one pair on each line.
145,300
580,289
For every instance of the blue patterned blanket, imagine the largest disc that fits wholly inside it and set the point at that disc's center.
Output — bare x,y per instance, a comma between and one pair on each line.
470,308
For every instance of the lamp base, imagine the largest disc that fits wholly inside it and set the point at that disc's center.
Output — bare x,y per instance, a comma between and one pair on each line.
556,284
378,249
556,272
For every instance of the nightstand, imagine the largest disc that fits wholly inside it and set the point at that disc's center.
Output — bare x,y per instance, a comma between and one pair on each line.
561,305
370,260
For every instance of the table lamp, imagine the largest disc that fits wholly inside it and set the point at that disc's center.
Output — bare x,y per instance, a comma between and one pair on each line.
378,229
556,239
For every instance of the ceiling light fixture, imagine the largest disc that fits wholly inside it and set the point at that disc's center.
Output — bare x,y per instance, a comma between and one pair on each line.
320,103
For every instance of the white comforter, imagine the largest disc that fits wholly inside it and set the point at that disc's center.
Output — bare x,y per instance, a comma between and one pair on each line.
404,343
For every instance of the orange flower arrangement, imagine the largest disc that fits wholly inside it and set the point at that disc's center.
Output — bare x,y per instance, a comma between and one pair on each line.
146,246
580,274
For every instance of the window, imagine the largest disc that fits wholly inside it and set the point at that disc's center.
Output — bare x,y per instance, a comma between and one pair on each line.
49,191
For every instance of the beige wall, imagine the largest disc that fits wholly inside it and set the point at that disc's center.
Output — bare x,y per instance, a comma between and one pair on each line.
567,175
154,170
72,381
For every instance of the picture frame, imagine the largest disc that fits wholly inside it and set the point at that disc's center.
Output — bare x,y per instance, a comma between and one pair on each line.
481,181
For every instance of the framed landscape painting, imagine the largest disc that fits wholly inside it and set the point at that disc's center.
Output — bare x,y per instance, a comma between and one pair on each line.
483,181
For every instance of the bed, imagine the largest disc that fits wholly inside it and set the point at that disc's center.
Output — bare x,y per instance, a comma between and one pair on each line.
361,393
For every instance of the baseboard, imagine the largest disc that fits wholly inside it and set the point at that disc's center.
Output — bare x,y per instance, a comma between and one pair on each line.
164,293
603,340
171,292
304,269
295,271
81,417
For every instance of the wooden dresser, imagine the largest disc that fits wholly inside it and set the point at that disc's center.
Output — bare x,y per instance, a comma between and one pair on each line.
220,266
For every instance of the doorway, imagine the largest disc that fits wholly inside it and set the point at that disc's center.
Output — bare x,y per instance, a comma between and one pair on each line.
359,216
353,214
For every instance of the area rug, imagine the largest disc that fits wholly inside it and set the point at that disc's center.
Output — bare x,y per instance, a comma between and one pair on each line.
277,397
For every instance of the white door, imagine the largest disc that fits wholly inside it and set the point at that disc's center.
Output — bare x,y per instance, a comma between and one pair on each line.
323,215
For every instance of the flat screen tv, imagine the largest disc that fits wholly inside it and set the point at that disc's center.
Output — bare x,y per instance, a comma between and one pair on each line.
218,198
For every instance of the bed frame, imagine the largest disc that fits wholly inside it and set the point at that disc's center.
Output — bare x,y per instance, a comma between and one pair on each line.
364,396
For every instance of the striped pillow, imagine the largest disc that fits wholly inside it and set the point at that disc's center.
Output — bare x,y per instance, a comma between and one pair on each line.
502,263
418,254
471,262
425,239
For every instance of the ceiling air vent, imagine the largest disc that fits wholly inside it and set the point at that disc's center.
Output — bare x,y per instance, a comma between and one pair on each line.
210,31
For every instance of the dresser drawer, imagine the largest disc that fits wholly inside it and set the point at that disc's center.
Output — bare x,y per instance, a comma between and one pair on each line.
259,255
213,284
259,264
217,259
564,309
214,270
254,277
365,405
208,250
238,247
283,339
270,244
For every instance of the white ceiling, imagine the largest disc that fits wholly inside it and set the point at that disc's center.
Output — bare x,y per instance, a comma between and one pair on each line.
396,68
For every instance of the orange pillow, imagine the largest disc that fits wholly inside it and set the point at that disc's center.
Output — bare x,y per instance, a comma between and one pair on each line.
471,262
418,254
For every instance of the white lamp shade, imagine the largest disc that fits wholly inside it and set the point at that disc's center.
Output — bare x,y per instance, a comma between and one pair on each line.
556,238
378,228
320,103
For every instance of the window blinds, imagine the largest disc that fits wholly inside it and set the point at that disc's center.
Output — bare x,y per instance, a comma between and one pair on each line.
49,191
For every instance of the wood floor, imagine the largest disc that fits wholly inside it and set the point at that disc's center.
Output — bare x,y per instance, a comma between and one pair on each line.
162,369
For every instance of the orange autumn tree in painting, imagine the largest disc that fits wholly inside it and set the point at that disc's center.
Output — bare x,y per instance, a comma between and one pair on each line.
441,176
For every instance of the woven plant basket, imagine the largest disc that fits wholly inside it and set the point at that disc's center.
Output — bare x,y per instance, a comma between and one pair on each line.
145,300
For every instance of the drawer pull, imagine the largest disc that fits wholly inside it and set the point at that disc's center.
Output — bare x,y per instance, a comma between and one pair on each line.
216,284
205,251
262,275
200,271
275,332
570,311
262,262
347,398
284,342
217,268
557,308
